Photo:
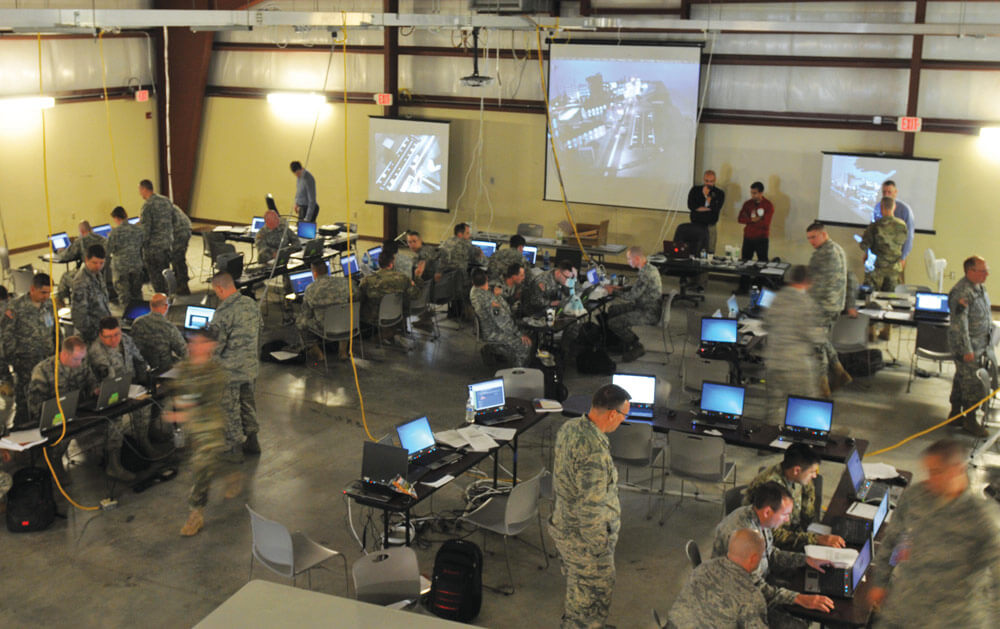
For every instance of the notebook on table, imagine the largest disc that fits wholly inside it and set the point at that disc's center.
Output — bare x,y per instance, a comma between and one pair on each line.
112,391
380,465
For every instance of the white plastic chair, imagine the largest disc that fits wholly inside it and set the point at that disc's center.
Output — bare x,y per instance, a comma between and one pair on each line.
22,280
390,312
700,458
337,325
508,516
663,325
632,446
422,304
284,553
850,334
387,577
523,383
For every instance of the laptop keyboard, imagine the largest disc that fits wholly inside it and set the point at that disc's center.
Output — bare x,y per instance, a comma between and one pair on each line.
853,530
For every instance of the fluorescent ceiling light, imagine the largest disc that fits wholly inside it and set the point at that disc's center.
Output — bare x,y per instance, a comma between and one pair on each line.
26,103
990,134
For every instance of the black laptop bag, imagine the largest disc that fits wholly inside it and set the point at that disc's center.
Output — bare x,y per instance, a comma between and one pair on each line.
457,583
30,505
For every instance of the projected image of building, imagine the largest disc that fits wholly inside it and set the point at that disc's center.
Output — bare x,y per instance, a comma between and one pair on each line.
856,188
408,163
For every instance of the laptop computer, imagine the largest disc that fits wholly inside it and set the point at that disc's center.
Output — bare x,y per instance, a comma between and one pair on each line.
594,276
134,220
931,307
863,487
642,390
50,416
113,391
530,253
59,241
135,311
721,405
490,403
418,439
718,331
765,298
350,265
487,247
256,224
840,582
306,230
675,250
102,230
373,255
299,281
312,249
855,530
807,420
381,463
196,317
733,306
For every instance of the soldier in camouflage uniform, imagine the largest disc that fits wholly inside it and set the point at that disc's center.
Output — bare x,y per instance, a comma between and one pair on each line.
159,341
944,544
6,382
422,253
885,238
511,286
274,234
496,326
324,292
28,332
639,306
388,281
157,222
547,290
833,289
969,341
125,248
76,251
458,254
237,325
769,508
586,516
90,294
794,336
6,482
796,473
179,248
501,260
721,593
198,402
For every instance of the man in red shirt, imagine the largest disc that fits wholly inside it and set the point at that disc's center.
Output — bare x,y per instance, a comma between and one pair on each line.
755,215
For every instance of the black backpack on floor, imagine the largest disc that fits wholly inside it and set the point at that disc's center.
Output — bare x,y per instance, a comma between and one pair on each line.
457,583
30,505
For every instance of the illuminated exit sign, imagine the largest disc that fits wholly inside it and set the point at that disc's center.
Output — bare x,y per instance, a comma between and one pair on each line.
383,99
909,123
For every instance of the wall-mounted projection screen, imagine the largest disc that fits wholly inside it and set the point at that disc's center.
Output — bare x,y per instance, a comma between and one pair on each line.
851,185
624,120
408,162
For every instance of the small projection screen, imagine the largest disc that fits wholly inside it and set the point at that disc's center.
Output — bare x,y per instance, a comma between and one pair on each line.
624,119
851,186
408,162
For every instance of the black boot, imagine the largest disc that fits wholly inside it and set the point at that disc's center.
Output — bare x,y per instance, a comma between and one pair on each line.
251,445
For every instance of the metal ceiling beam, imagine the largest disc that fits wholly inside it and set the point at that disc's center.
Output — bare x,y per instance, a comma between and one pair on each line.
85,19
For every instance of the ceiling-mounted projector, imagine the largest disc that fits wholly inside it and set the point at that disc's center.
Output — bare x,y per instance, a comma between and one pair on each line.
475,79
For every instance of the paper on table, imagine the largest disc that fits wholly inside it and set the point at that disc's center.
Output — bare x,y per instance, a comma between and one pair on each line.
447,478
136,390
713,432
478,440
898,316
862,510
874,313
282,356
753,326
499,433
451,438
839,557
876,471
781,444
21,440
819,529
173,372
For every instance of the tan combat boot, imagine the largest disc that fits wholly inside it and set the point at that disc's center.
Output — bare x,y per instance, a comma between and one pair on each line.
824,387
194,523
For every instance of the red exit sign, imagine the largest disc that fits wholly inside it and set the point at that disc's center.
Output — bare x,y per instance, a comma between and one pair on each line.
909,123
384,100
141,96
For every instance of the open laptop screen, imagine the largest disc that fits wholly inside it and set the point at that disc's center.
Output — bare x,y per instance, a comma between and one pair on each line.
809,413
307,230
373,255
765,298
594,276
722,398
134,220
59,241
486,246
349,264
733,306
487,394
642,389
256,224
102,230
136,311
196,317
861,564
932,302
382,463
530,252
883,510
855,469
299,281
415,435
718,330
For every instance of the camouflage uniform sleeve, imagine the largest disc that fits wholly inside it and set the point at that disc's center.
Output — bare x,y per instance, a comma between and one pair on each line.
80,308
39,388
139,364
787,537
177,344
98,362
851,294
958,328
146,221
868,237
415,289
71,252
592,479
8,335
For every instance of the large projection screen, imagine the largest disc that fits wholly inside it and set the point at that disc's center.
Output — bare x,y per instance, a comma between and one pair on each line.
851,186
408,162
624,119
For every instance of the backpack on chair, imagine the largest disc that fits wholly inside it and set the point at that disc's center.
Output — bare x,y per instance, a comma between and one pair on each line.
457,583
30,505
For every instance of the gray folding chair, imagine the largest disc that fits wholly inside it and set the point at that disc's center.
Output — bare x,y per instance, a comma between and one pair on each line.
521,382
421,305
171,279
732,499
287,554
390,312
22,279
700,458
508,516
387,577
931,344
851,334
663,325
337,326
632,446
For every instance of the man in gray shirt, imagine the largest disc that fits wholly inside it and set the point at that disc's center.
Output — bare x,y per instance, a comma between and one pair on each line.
305,193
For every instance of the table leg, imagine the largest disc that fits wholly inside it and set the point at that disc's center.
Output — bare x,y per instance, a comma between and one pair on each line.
514,450
496,467
385,527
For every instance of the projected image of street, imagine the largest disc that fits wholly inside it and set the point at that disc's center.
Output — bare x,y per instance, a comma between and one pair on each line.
408,163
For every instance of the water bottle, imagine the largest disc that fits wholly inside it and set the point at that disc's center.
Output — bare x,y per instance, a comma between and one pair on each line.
178,436
545,261
470,410
754,295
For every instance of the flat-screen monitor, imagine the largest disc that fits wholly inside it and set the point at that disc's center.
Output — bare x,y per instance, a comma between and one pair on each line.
809,413
307,230
349,264
102,230
486,395
931,302
530,252
408,162
373,255
715,330
134,220
196,317
722,398
59,241
624,121
487,247
851,186
415,435
256,224
641,388
299,281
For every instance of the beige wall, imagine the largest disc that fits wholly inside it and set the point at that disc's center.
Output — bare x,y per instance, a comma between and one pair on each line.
81,178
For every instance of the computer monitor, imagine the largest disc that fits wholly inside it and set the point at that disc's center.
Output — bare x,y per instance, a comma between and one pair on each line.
134,220
349,264
931,302
299,281
373,255
765,298
717,397
102,230
486,247
718,330
312,249
487,394
810,414
59,241
641,388
196,317
530,252
135,311
307,230
415,435
382,463
256,224
594,276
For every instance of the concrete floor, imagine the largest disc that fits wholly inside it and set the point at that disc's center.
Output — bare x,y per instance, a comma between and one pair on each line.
128,566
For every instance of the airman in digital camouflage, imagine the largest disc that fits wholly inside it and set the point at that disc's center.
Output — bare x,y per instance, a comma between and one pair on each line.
157,222
969,332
